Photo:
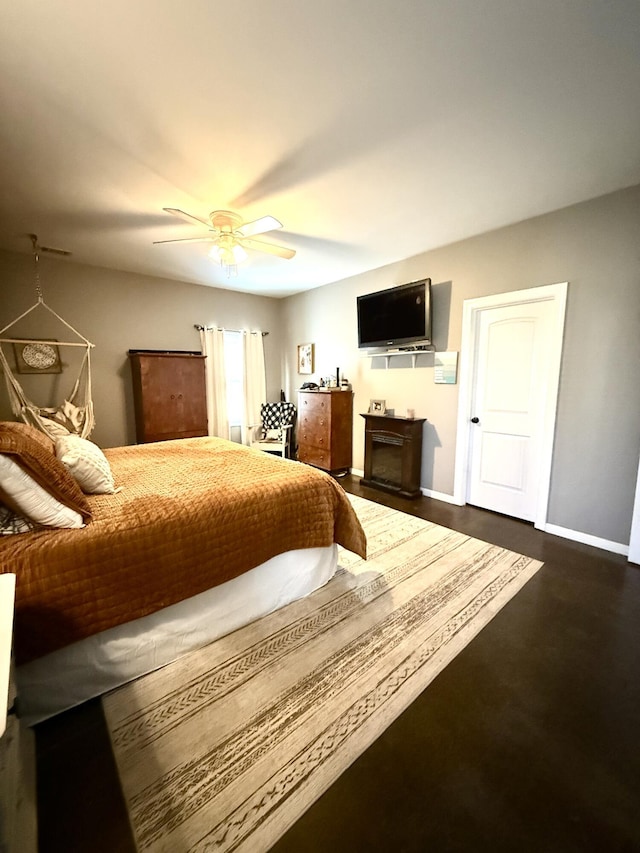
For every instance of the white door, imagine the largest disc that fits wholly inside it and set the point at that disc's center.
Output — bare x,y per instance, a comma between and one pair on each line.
513,369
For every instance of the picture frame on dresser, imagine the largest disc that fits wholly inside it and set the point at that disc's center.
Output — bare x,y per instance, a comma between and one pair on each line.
377,407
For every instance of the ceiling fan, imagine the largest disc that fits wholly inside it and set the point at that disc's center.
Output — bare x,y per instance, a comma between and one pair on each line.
231,237
37,248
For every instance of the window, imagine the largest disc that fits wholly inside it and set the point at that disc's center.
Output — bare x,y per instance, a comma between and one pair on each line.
234,368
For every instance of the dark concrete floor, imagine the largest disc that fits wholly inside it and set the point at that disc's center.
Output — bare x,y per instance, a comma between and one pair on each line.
527,741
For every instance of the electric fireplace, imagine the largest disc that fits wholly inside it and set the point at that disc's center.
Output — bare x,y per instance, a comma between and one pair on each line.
393,454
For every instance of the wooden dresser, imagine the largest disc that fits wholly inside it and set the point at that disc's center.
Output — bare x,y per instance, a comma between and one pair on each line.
169,394
325,429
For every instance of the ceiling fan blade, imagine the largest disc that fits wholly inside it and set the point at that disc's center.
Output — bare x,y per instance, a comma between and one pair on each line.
259,226
188,240
270,248
51,251
186,216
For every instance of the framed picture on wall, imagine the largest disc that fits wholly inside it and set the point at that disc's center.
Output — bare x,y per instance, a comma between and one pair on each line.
37,357
305,358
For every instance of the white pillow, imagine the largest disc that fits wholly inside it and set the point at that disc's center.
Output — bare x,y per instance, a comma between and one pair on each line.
32,500
87,463
273,435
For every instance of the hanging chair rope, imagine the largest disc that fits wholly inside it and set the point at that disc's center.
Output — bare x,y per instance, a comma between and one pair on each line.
83,342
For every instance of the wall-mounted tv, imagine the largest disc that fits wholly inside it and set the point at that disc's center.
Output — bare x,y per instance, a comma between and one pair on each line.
396,318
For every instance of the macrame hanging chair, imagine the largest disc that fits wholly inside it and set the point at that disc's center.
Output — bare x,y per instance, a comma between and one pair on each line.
75,414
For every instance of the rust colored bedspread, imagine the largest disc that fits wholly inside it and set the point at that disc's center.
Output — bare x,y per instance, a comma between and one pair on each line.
192,514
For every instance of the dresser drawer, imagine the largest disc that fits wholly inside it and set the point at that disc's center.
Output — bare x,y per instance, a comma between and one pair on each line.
315,431
315,403
314,456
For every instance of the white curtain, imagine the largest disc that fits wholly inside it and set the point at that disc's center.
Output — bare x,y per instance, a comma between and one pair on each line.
255,381
212,341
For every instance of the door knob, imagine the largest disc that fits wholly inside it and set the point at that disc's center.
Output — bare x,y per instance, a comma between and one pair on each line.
475,420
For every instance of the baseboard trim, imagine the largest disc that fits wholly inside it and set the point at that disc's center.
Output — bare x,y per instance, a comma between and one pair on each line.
440,496
428,493
553,529
587,539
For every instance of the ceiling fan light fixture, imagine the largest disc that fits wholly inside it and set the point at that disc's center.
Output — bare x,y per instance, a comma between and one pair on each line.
228,251
221,254
239,253
229,254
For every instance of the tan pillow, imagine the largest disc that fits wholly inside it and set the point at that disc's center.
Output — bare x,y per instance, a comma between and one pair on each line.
41,464
87,463
42,438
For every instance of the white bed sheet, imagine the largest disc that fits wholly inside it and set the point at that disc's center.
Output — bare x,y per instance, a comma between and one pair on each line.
76,673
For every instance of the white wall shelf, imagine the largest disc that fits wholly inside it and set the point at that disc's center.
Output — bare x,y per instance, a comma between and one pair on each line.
387,355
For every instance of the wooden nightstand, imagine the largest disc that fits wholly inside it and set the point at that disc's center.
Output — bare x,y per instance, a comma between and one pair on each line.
18,821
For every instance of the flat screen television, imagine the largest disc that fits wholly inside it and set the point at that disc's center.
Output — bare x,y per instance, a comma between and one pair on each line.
399,317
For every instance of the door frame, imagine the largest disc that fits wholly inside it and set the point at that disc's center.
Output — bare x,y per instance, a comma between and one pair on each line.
471,310
634,539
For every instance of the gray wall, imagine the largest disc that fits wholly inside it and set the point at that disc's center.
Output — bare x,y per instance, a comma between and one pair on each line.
119,311
594,246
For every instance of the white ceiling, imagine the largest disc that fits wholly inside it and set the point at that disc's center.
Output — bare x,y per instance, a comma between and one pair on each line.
373,129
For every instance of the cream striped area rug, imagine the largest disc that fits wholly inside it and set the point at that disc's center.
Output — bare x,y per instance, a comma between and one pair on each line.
224,749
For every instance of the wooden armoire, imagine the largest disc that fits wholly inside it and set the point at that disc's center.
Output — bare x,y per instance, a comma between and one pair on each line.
169,394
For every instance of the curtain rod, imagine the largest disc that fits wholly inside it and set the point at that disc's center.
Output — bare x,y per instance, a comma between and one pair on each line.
223,329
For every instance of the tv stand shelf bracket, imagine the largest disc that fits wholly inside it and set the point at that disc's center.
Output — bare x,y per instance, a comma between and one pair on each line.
387,355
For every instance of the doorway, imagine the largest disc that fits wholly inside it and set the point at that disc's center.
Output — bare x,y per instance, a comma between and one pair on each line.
512,346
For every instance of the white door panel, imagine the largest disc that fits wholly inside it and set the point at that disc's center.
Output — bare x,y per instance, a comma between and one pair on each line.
509,345
504,461
512,371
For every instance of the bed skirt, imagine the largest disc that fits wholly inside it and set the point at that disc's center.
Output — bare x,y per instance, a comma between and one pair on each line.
78,672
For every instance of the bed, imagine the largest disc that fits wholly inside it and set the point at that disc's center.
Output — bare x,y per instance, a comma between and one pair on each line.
201,537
